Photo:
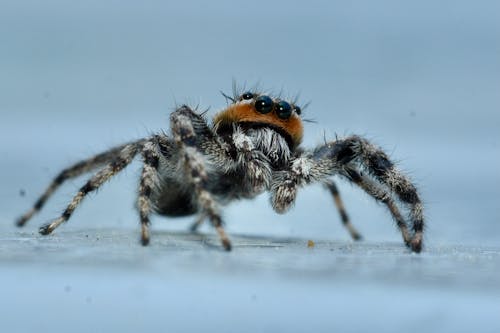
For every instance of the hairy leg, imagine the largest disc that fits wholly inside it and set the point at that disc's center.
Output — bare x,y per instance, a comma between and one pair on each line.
193,163
342,157
302,170
123,158
380,194
151,153
73,171
354,151
330,185
377,163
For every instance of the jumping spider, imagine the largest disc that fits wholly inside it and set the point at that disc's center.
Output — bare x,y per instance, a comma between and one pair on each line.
252,146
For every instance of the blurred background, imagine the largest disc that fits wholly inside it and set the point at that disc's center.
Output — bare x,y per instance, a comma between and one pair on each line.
420,79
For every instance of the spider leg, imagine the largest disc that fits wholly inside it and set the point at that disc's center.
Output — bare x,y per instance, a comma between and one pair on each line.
344,157
256,165
330,185
185,130
382,195
118,163
149,178
73,171
355,150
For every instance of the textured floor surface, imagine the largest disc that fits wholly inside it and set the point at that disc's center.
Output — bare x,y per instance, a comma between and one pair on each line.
102,280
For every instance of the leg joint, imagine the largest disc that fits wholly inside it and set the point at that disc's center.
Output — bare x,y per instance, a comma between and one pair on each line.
88,187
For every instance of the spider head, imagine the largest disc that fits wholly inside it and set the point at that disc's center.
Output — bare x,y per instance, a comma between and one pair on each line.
252,110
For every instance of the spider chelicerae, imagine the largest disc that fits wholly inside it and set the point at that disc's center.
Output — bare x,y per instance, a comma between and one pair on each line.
252,146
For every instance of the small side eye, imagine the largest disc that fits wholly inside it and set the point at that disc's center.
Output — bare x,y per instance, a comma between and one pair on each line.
264,104
283,110
247,95
298,110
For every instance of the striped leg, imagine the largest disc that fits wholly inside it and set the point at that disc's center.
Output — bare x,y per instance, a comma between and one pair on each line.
380,194
123,158
149,179
194,167
68,173
382,169
340,207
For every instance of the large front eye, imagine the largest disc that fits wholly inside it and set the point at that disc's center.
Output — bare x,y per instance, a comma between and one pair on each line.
284,110
264,104
247,95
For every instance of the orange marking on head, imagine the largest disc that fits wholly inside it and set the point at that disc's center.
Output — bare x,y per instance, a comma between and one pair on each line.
245,112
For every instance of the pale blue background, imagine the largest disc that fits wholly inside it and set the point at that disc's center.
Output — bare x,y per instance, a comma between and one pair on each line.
420,78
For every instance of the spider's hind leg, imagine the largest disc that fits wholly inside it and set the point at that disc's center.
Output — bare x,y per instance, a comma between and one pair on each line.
73,171
122,159
332,187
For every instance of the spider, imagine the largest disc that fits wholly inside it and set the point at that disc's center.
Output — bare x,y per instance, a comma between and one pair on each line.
252,146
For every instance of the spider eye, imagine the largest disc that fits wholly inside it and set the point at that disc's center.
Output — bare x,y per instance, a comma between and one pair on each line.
247,95
284,110
264,104
298,110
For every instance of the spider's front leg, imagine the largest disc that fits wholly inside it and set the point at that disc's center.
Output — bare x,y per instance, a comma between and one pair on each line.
256,166
301,170
193,136
304,170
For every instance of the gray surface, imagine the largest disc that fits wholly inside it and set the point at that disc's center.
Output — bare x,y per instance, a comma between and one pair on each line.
102,280
421,79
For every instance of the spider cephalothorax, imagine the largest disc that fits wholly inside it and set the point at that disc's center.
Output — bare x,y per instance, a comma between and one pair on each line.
252,110
251,146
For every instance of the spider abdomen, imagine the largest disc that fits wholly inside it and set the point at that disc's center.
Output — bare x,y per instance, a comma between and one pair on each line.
173,199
